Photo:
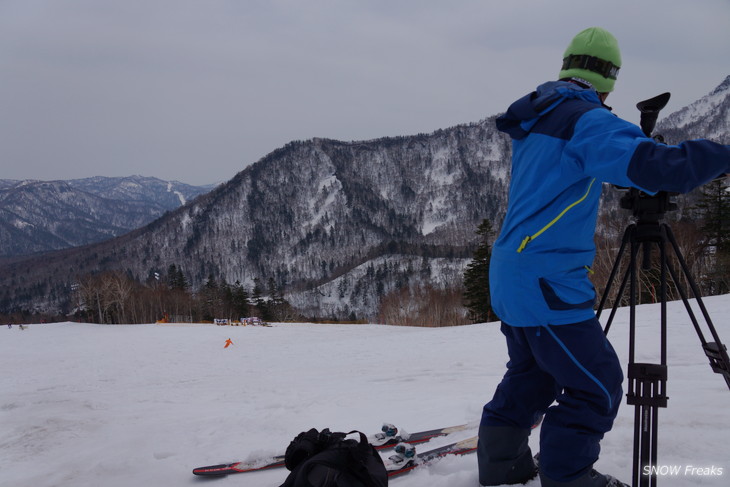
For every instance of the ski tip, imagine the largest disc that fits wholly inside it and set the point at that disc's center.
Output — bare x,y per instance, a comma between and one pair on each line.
213,471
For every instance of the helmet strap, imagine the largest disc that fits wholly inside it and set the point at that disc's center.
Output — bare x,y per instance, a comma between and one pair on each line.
591,63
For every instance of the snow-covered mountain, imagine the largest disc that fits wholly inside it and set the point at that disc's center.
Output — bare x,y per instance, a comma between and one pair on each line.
708,118
338,224
37,216
370,213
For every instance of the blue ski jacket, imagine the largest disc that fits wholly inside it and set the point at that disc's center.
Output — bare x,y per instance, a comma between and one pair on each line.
565,144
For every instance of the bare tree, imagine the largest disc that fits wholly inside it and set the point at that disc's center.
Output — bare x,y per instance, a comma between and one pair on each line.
423,305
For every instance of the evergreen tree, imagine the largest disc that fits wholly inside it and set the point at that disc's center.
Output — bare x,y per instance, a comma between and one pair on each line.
259,302
210,303
714,217
714,209
476,277
181,281
225,296
172,276
278,308
176,279
240,300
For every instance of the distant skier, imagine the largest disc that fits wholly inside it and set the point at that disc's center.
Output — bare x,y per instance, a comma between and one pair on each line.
565,143
229,342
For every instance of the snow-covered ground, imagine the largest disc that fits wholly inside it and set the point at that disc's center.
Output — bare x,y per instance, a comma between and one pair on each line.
89,405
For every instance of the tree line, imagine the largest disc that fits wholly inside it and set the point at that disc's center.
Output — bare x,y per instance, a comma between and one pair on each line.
115,297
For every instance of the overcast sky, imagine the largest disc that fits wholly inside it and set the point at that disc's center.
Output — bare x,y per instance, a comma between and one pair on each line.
196,90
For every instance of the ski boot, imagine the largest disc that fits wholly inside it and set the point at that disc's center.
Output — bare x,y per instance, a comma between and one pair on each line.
504,456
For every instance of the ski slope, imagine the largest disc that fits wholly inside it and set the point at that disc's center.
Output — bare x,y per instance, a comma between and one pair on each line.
87,405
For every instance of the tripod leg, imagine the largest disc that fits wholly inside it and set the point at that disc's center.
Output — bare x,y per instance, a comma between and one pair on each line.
633,291
616,303
616,265
716,351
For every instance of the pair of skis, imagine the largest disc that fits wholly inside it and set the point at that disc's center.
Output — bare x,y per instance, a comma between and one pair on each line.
404,460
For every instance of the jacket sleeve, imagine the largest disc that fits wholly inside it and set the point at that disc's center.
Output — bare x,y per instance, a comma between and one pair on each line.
679,168
616,151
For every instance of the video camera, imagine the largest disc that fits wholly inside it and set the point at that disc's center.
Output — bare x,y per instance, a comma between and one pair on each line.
647,207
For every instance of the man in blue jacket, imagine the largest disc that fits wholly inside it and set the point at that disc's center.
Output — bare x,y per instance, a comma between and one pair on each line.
565,144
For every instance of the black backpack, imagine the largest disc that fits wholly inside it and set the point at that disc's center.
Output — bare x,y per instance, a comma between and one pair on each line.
326,459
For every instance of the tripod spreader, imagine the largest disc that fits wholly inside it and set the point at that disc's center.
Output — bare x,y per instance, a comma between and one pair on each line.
647,385
718,359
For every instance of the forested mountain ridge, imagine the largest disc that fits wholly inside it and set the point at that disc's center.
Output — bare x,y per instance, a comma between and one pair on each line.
306,214
336,225
38,216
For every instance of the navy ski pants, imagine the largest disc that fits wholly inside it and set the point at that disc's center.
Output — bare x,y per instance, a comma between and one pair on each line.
574,365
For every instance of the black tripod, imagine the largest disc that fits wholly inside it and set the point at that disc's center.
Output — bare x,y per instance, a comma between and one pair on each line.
648,382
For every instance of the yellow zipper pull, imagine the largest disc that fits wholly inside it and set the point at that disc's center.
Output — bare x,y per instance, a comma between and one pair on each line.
524,243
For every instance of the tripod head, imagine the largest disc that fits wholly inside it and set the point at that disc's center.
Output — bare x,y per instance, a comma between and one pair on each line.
647,208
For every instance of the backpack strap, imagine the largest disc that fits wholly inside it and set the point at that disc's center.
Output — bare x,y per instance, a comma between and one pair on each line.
364,459
327,454
307,444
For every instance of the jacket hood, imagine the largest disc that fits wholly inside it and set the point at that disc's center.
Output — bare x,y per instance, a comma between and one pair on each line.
522,115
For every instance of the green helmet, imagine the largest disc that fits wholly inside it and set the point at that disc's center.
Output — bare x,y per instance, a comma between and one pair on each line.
593,55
